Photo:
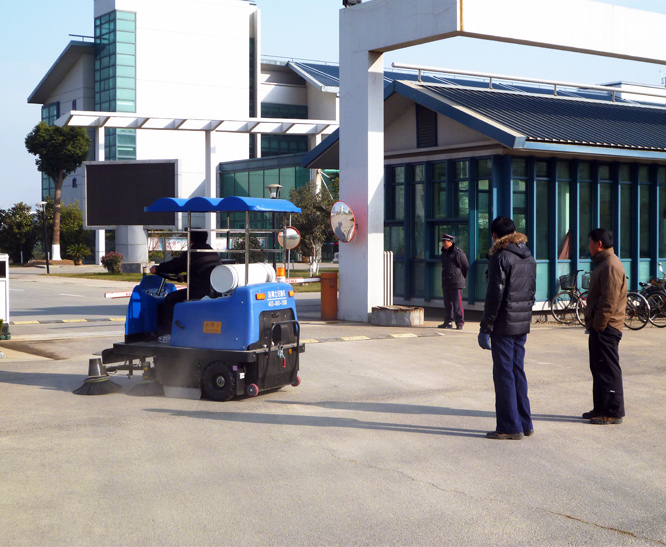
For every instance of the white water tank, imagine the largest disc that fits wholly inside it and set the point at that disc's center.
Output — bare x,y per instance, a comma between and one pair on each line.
226,277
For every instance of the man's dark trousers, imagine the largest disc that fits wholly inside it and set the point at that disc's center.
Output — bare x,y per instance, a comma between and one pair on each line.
170,301
512,405
607,392
453,308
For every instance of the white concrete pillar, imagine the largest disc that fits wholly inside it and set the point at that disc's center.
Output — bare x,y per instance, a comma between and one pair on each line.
132,243
210,185
361,175
100,235
100,245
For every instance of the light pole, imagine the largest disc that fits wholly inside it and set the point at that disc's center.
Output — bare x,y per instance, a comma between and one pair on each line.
42,206
274,189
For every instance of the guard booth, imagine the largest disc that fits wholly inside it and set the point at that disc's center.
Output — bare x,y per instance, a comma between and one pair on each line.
4,288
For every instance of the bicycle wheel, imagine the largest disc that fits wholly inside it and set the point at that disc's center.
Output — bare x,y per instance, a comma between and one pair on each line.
638,311
581,304
563,307
657,303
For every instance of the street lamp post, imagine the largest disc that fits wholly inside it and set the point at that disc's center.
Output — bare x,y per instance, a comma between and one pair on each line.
42,206
274,189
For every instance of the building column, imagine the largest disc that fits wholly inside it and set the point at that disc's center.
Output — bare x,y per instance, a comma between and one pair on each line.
361,177
132,243
210,185
100,235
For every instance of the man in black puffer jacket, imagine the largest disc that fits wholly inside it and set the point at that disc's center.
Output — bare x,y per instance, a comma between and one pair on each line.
506,321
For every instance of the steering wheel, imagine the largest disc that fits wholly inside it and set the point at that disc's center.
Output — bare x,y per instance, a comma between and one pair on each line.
161,291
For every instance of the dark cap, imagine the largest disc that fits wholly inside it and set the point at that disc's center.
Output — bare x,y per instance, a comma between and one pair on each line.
448,237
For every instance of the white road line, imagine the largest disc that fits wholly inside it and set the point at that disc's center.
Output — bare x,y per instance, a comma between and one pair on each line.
74,295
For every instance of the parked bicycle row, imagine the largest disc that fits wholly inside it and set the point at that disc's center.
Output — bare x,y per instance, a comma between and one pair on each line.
647,305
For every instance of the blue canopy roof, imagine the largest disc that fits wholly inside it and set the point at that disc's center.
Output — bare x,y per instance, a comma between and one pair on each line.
228,204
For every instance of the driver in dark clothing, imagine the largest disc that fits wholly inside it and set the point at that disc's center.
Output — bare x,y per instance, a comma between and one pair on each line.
201,265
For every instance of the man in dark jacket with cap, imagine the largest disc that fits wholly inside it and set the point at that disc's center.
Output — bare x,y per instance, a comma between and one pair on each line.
201,266
454,272
506,321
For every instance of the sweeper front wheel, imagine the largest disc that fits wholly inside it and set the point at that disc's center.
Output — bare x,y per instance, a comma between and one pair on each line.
218,381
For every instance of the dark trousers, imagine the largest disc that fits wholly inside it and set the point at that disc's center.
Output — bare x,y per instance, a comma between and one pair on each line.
453,308
170,302
511,403
607,392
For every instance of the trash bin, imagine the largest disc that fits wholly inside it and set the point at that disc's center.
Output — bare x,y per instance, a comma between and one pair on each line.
4,290
329,296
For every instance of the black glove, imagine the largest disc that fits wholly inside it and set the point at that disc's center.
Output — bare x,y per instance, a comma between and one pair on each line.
484,340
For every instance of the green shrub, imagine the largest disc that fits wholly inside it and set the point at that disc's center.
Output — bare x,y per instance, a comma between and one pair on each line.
78,251
156,256
113,262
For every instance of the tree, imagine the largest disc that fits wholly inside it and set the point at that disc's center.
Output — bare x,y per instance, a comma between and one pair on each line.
71,227
60,151
314,222
255,256
19,229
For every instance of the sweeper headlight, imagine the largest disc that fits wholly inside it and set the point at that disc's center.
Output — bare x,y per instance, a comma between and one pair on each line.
260,296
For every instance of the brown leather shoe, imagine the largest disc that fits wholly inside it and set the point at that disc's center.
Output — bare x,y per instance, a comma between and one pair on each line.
605,420
504,436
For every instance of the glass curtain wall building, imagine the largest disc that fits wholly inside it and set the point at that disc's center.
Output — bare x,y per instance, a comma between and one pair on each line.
249,178
115,78
50,113
555,202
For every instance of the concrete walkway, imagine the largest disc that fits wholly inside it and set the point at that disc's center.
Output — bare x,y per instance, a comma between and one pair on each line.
382,444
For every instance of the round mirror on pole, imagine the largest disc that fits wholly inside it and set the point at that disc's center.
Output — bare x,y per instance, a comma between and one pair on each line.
343,222
292,239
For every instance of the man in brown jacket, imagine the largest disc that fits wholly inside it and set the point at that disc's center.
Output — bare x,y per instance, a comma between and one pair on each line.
604,318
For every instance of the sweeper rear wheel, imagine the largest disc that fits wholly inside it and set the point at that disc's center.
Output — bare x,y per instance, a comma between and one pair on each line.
218,381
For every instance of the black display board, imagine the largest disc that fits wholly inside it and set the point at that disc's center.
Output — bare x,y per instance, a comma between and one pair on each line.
117,192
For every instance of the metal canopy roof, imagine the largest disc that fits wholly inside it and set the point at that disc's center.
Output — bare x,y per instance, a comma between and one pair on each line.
530,118
228,204
526,117
120,120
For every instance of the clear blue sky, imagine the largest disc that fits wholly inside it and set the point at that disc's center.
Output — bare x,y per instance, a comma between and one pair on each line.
34,32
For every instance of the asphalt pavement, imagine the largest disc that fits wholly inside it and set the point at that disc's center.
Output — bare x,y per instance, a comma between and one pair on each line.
383,443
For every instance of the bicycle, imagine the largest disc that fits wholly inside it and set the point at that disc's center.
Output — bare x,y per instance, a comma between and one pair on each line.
637,312
564,304
582,300
655,292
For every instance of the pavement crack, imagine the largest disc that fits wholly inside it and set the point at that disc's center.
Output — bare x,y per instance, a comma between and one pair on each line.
609,528
466,495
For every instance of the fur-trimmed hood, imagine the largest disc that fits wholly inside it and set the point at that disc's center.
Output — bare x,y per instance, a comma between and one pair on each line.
516,238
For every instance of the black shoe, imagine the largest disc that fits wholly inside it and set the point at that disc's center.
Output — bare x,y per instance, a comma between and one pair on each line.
591,414
504,436
605,420
528,433
445,326
459,327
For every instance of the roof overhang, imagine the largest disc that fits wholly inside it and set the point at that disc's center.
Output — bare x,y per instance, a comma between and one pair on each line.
118,120
584,150
68,58
460,114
